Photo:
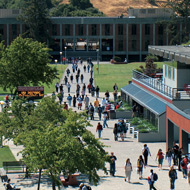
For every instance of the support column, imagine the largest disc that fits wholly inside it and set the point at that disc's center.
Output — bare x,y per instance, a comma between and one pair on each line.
8,34
153,34
180,33
140,44
113,40
100,43
127,41
61,40
86,37
167,37
169,134
74,37
183,140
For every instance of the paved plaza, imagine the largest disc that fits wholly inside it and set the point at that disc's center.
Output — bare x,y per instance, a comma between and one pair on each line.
130,148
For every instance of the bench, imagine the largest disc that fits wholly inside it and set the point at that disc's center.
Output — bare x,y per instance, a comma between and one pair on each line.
70,180
14,166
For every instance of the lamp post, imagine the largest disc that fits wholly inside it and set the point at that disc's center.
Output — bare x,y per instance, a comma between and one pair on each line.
98,59
61,61
65,54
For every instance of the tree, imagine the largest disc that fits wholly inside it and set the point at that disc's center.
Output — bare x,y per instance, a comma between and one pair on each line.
35,16
55,140
81,4
25,62
181,12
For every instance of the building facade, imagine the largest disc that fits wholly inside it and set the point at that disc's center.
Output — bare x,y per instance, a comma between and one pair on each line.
126,37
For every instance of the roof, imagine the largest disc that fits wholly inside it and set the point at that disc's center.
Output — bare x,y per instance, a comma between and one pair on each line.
176,53
150,101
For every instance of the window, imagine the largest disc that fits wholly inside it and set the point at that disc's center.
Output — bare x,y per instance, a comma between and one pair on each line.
173,76
120,45
54,29
134,45
160,29
160,42
166,71
94,29
14,30
120,29
147,43
1,29
107,29
169,72
67,30
80,30
147,29
134,29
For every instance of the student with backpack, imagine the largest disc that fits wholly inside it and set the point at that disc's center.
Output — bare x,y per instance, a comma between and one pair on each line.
173,177
151,179
140,164
160,156
146,152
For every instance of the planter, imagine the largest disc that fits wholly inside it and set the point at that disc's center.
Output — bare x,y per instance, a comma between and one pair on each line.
123,114
115,62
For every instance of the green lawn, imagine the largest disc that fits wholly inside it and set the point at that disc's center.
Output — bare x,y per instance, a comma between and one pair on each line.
49,89
6,155
109,74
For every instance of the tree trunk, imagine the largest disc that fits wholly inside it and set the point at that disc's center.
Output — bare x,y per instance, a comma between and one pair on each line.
39,178
53,182
14,95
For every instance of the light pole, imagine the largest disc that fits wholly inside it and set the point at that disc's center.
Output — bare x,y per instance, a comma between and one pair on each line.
98,59
61,61
65,54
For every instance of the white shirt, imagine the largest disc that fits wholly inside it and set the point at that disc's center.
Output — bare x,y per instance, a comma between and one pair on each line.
103,102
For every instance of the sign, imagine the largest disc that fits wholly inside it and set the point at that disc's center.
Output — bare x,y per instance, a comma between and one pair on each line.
30,91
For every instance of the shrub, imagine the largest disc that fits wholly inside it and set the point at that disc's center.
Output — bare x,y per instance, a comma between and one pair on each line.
117,59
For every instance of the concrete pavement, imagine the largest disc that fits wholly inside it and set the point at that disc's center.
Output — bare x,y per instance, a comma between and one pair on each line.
130,148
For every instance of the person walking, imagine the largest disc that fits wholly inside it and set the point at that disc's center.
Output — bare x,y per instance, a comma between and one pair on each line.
91,80
91,111
113,158
184,164
66,80
188,172
115,95
128,170
146,152
107,95
69,98
74,101
57,87
84,67
68,72
103,104
115,132
60,96
79,99
99,129
68,87
89,88
160,156
86,101
88,67
152,180
77,78
169,156
84,87
96,104
140,164
71,78
61,88
81,78
105,116
100,112
173,177
97,91
115,87
175,152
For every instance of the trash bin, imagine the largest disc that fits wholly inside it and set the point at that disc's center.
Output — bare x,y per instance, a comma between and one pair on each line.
112,114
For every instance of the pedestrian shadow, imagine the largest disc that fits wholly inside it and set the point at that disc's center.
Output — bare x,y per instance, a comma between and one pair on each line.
137,183
153,166
125,141
107,139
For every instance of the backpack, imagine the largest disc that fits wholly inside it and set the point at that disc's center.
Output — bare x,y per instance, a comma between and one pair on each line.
155,177
145,152
140,163
92,109
182,163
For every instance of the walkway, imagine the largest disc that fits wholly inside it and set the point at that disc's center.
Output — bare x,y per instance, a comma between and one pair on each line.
130,148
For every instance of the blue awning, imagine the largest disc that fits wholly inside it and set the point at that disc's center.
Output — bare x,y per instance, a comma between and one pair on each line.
145,99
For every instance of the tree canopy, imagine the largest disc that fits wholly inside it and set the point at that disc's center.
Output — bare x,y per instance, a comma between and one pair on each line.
25,62
54,139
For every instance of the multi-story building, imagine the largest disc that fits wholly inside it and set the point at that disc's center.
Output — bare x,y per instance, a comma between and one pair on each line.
166,102
127,37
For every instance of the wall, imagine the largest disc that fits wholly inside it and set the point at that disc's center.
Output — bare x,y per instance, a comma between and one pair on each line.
183,77
160,136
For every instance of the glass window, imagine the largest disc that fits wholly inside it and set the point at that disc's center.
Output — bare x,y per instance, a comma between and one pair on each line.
120,45
147,43
54,29
147,29
120,29
134,45
169,72
173,76
160,29
1,29
107,29
134,29
80,30
67,30
14,30
94,29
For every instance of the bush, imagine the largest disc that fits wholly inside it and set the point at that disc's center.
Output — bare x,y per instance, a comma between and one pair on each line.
117,59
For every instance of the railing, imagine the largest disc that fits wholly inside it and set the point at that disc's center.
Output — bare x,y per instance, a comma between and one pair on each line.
173,93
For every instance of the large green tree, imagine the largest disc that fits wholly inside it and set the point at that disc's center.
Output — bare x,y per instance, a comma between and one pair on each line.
25,62
54,139
35,16
181,13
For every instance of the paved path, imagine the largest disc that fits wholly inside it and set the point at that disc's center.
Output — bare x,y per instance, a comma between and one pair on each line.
130,148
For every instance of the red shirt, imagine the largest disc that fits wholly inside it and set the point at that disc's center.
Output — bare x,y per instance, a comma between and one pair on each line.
160,155
99,127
